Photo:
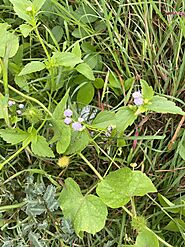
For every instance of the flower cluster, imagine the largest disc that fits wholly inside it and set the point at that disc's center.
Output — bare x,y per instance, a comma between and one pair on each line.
77,126
138,98
20,106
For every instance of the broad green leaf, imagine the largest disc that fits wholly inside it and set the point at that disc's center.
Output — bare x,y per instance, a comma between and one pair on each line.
31,67
88,213
104,119
37,4
176,225
147,91
119,186
85,14
162,105
66,59
99,83
9,42
79,141
76,50
124,118
41,148
85,94
25,29
21,81
85,70
146,238
57,32
60,108
62,134
129,83
13,136
20,7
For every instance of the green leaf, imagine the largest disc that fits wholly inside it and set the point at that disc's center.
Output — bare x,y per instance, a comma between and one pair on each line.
37,4
9,42
25,30
146,238
124,118
66,59
88,213
35,239
113,80
99,83
166,203
79,141
76,50
147,91
60,108
104,119
31,67
162,105
20,9
41,148
21,81
62,134
176,225
85,94
3,107
85,70
119,186
13,136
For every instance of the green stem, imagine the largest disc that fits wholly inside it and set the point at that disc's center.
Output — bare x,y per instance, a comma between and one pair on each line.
10,207
30,98
91,166
133,207
13,156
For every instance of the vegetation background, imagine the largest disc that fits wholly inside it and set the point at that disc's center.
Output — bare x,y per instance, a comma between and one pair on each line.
122,42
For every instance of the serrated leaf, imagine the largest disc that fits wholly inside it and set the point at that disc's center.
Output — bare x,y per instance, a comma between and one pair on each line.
147,91
85,94
85,70
119,186
104,119
59,109
88,213
25,29
13,136
146,238
32,67
41,148
49,198
124,118
34,239
20,9
79,141
162,105
66,59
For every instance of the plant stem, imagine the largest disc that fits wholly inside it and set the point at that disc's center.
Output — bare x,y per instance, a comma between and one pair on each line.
30,98
91,166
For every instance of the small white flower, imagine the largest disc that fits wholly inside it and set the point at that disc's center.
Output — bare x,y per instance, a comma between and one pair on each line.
80,119
21,106
19,112
11,102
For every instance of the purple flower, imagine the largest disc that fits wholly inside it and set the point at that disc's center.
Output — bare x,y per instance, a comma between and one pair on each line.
137,94
77,126
68,113
67,120
138,101
10,102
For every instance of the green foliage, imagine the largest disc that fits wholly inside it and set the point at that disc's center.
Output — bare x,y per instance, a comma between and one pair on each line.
147,91
40,147
118,187
31,67
66,59
13,136
88,213
60,108
146,238
85,70
85,94
104,119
